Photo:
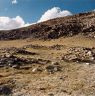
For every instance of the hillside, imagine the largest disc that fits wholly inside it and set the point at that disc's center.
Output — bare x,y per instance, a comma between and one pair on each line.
83,23
52,58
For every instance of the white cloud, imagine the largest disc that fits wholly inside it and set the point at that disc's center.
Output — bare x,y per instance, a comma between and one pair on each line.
54,13
27,24
14,1
7,23
94,10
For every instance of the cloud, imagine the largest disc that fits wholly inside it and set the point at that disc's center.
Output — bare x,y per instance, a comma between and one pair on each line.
14,1
7,23
94,10
54,13
27,24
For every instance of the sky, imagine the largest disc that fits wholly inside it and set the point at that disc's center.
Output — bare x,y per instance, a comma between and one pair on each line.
19,13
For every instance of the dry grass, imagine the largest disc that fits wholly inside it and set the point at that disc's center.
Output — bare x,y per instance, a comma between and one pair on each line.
70,41
73,80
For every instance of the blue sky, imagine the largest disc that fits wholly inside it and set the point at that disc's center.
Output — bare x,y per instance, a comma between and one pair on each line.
32,10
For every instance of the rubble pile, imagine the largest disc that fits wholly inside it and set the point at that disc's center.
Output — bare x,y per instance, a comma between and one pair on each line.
80,54
10,60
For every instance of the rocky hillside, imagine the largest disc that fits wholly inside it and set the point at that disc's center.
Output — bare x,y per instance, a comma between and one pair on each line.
83,23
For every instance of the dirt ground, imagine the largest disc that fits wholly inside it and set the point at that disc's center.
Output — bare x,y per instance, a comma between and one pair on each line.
69,79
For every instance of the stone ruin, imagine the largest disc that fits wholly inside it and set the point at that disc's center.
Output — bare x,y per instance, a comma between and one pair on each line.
80,54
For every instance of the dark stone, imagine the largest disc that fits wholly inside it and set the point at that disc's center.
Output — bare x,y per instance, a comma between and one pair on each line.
51,94
5,90
53,68
16,66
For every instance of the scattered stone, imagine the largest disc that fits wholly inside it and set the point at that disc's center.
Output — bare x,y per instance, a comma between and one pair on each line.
52,68
51,94
21,51
42,88
8,55
35,46
89,53
11,60
55,63
57,47
40,61
16,66
87,63
61,78
80,54
5,90
35,70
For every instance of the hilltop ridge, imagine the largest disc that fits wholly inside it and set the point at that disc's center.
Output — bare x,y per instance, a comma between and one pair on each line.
83,23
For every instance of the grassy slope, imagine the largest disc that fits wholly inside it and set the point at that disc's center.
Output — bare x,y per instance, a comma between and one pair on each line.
69,41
